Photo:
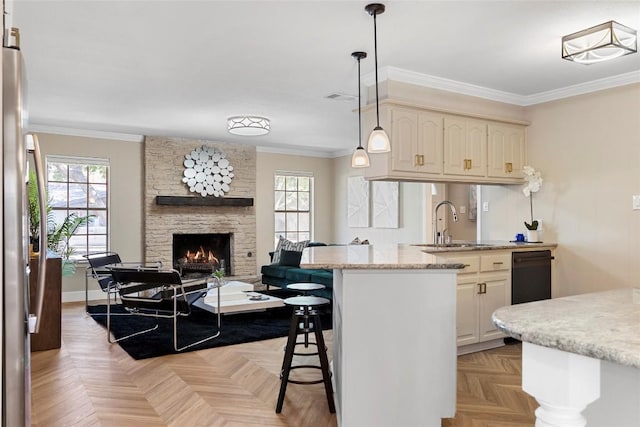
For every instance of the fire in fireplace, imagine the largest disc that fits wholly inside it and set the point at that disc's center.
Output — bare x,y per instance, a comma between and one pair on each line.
204,252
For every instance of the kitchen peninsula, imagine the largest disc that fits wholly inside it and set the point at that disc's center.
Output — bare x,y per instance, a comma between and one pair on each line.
580,352
394,339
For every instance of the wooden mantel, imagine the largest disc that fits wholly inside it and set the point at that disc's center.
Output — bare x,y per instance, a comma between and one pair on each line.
203,201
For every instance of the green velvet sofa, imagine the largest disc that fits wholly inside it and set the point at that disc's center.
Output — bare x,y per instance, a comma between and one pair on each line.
283,273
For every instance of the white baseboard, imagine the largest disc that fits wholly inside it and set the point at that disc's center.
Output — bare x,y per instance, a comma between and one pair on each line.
74,296
480,346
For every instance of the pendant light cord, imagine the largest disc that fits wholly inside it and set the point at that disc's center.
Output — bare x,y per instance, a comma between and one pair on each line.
375,51
359,109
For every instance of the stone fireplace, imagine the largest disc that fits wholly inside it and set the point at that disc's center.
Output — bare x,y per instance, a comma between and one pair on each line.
163,159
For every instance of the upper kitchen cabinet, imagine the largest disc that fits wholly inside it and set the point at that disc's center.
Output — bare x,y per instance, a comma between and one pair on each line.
465,146
416,144
507,151
418,141
428,145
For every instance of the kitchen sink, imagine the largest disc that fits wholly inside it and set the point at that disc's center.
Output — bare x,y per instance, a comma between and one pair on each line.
453,245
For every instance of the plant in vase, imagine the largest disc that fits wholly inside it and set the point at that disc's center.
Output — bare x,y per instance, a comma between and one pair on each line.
218,276
58,235
533,185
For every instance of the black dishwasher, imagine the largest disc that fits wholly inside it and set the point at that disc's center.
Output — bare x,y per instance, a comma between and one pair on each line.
530,276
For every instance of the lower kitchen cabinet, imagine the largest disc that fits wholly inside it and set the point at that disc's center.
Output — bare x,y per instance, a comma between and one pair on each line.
484,285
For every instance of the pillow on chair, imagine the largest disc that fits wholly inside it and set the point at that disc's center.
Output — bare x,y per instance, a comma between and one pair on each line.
290,258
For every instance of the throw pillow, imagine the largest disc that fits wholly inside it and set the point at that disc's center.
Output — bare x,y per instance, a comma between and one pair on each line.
290,258
288,245
276,253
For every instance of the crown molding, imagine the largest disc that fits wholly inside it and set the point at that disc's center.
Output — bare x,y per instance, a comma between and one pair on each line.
582,88
56,130
418,79
294,151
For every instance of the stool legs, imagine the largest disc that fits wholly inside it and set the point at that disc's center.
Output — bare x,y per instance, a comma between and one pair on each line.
324,363
294,329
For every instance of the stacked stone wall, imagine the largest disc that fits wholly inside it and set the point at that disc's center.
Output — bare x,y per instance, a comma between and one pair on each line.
163,160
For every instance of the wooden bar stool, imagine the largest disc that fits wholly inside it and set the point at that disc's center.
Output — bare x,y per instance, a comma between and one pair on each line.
305,319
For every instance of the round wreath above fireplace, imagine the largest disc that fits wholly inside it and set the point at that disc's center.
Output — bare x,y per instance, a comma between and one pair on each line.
207,172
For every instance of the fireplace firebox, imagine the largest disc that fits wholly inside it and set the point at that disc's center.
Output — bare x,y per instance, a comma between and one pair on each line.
204,252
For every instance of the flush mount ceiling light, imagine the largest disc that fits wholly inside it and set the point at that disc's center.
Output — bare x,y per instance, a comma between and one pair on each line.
248,125
600,43
378,139
360,158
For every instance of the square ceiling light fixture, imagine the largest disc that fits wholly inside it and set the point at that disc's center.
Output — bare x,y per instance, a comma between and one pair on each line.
248,125
600,43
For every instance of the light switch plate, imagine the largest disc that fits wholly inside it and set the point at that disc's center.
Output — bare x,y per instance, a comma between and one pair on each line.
463,209
485,206
636,202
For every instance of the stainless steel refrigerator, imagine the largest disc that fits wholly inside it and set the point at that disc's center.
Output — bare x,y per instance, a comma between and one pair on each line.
16,320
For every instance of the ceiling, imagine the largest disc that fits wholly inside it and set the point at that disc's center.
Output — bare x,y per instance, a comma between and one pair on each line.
180,68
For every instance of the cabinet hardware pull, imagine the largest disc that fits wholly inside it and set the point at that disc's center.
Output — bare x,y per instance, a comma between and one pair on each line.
416,160
498,262
421,158
508,167
467,265
470,163
479,288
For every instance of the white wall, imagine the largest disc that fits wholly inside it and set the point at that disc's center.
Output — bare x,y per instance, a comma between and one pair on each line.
588,151
412,214
125,194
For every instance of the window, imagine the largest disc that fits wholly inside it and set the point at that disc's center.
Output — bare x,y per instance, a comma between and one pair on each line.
80,187
292,205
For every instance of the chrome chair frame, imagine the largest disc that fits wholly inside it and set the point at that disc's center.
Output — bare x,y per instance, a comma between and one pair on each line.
98,269
171,298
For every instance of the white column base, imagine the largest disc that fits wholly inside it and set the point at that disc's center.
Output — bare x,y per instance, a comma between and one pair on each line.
563,383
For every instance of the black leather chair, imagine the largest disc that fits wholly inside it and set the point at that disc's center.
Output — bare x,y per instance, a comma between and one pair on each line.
157,293
98,270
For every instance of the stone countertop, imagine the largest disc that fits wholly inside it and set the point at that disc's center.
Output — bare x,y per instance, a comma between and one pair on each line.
486,245
601,325
372,257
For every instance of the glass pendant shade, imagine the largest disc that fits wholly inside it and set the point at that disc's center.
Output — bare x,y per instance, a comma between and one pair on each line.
600,43
360,158
378,141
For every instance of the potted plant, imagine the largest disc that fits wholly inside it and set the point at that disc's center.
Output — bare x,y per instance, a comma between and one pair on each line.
533,185
58,235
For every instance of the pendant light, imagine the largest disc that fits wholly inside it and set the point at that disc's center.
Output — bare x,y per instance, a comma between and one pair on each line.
378,139
360,158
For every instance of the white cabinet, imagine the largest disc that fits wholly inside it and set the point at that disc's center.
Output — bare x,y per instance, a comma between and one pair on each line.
507,150
416,141
465,146
433,146
483,286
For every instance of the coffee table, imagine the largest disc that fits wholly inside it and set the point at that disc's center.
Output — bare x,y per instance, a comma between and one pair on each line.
235,298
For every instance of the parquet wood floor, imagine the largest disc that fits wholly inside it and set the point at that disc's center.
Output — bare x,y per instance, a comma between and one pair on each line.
89,382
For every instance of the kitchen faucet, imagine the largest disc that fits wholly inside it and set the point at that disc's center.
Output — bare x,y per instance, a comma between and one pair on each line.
437,241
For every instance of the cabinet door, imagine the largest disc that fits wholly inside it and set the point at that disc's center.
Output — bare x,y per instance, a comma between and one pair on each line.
404,137
506,151
496,296
476,147
465,146
429,145
454,146
466,311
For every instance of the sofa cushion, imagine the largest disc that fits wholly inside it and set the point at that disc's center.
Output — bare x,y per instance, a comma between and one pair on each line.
290,258
298,275
324,277
278,271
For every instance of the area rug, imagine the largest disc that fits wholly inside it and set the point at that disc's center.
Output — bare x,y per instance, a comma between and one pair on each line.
236,329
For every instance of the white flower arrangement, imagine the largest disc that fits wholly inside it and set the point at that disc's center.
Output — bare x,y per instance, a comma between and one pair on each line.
533,185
